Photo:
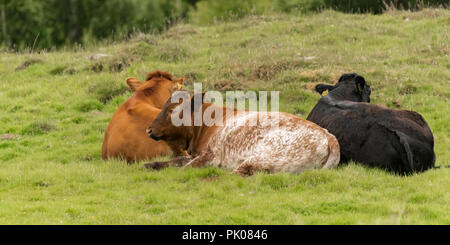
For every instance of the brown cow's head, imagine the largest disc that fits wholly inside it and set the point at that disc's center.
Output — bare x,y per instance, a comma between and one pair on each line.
350,86
158,85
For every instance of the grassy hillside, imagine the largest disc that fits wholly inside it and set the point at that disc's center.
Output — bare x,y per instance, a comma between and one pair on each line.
55,107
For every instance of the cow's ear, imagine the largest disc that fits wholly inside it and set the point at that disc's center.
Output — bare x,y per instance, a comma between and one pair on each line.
365,96
197,101
179,82
134,84
323,89
360,82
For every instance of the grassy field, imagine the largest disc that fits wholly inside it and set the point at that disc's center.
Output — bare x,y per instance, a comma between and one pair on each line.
55,107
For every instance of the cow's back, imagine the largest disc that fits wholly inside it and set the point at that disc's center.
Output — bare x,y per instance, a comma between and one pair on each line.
126,137
293,146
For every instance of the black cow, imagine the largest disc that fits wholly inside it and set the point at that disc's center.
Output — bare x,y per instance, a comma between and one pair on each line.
398,141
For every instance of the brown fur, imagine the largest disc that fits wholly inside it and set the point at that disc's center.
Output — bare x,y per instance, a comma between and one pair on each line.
159,74
125,136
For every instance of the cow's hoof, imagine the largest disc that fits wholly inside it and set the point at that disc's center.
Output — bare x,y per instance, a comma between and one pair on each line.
156,165
244,170
244,174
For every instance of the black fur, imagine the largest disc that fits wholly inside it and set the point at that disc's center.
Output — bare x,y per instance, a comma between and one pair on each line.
398,141
322,87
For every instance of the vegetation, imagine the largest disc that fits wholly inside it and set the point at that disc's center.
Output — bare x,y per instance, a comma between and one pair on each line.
209,11
56,105
50,24
55,23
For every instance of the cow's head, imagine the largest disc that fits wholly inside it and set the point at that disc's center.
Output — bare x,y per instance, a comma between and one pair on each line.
158,85
163,128
350,86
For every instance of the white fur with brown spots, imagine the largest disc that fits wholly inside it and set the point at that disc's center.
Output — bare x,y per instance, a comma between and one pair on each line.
294,146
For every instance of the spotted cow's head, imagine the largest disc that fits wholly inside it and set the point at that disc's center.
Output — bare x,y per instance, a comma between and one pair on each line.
179,107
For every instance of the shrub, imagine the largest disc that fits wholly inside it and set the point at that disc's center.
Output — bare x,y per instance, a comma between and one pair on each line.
28,63
173,54
38,128
89,105
378,6
104,91
209,11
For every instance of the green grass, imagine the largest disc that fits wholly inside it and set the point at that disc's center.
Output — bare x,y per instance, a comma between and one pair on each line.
58,104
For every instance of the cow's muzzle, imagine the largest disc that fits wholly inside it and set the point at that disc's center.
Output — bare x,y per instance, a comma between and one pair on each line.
152,135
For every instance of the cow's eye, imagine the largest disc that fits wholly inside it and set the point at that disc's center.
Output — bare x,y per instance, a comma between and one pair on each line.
169,113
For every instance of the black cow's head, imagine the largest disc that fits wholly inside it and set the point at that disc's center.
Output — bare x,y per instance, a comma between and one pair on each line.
350,86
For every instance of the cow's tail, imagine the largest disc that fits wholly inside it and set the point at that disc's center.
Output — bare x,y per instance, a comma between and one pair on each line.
333,152
409,155
105,146
407,158
104,151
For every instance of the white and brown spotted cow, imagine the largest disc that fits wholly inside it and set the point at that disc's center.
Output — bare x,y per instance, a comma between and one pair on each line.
239,144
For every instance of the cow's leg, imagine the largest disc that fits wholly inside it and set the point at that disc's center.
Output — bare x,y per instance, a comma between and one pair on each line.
176,162
250,166
199,161
178,152
174,146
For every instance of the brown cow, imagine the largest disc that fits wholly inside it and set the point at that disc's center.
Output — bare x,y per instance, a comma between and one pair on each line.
294,145
125,136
